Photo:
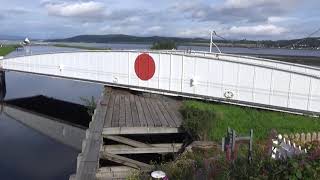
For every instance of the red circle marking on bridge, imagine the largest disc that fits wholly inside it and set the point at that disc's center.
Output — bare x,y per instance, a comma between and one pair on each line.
144,67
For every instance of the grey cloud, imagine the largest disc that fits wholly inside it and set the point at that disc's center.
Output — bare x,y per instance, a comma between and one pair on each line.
84,11
248,11
120,15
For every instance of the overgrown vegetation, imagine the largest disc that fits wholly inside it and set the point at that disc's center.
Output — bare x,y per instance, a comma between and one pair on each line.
198,120
80,47
183,168
164,45
209,121
6,49
242,119
306,166
212,164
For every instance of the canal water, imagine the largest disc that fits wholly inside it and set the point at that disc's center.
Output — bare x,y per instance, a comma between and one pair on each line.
123,46
26,153
233,50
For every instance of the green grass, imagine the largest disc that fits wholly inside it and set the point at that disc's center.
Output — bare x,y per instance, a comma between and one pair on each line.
242,119
80,47
7,49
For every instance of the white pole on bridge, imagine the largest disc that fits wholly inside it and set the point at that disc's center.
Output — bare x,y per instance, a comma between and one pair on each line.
211,41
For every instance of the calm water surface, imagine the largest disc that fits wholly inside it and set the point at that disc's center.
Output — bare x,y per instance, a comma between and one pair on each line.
253,51
265,51
27,154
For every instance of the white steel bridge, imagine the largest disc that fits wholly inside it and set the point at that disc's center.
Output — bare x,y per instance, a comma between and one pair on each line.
227,78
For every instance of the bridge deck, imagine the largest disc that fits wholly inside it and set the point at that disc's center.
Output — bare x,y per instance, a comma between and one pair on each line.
141,113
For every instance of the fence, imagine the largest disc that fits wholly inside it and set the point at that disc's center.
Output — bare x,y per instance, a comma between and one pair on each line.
302,138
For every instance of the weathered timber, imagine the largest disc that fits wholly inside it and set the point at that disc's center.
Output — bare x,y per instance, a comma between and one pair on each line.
155,148
140,130
88,160
128,141
126,161
132,110
113,172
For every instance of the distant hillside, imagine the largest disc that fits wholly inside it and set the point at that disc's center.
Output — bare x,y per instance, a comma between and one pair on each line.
308,43
120,38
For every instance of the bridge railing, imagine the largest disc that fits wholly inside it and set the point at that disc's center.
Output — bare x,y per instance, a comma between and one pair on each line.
223,56
218,77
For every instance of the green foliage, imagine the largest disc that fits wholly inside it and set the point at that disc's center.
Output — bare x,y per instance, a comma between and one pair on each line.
198,119
305,166
135,175
7,49
242,119
182,168
263,167
211,164
162,45
90,104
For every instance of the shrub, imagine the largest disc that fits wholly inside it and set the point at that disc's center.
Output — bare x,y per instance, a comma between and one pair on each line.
198,119
242,119
160,45
135,175
183,168
180,169
213,165
306,166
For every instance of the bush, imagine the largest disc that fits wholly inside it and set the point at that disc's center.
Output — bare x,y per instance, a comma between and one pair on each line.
306,166
212,164
242,119
198,119
182,168
161,45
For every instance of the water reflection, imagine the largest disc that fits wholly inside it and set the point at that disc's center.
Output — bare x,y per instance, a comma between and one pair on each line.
28,154
61,131
63,121
34,144
3,90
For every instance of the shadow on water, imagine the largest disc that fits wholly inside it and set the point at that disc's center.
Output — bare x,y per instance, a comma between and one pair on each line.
3,90
40,137
66,112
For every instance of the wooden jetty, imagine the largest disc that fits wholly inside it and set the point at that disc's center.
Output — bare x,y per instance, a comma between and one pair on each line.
120,116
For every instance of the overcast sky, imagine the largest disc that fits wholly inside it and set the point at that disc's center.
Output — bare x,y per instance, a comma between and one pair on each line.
236,19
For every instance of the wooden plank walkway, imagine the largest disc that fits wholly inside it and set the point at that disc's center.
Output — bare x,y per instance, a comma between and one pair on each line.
129,113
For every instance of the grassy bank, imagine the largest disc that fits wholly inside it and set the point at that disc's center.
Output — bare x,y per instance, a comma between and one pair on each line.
7,49
242,119
80,47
